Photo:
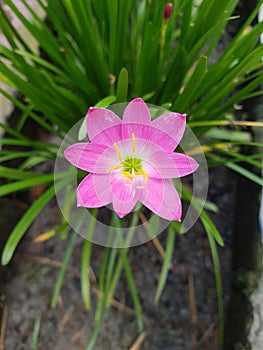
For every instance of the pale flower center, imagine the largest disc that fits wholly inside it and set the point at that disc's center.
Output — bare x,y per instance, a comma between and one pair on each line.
130,166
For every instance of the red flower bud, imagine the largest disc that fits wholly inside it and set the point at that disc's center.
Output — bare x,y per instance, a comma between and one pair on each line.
167,11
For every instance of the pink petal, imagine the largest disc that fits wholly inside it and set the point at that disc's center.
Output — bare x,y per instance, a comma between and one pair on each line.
163,165
163,139
148,132
163,199
123,208
121,187
94,191
158,163
185,165
109,136
173,124
84,155
124,196
99,119
141,131
137,112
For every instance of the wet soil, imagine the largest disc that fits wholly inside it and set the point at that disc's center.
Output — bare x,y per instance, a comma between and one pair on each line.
185,317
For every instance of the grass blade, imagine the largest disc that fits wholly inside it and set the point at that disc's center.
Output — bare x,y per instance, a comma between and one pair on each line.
63,268
246,173
132,288
36,331
24,223
166,262
85,262
122,88
219,288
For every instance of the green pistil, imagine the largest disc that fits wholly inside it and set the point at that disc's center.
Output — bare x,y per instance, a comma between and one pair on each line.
132,165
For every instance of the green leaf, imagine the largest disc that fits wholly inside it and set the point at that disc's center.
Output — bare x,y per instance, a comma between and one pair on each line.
63,268
28,182
105,102
246,173
232,135
132,288
66,259
85,262
24,223
219,287
15,174
210,228
122,88
36,331
188,95
207,222
166,262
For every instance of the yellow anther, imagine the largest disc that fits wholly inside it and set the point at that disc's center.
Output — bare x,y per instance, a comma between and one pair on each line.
118,151
113,168
143,172
133,143
127,174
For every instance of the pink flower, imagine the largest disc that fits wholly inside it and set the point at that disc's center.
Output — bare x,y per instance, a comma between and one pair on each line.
131,160
167,11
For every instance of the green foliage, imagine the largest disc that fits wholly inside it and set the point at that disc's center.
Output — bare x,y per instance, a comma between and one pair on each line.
97,52
83,44
36,331
166,261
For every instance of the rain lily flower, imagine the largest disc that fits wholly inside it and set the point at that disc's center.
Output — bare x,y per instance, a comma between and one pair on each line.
167,11
131,160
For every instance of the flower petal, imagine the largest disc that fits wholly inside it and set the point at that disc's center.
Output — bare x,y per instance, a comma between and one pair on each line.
163,199
100,119
160,166
163,139
148,132
136,120
173,124
109,136
158,163
94,191
121,187
123,208
125,195
84,155
141,131
185,165
137,112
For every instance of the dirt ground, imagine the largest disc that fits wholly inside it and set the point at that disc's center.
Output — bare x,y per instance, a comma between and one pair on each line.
184,319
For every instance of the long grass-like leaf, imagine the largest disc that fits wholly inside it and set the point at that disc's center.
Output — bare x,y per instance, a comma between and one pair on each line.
36,331
219,288
85,263
65,262
166,262
209,224
27,183
133,290
246,173
122,87
63,268
24,223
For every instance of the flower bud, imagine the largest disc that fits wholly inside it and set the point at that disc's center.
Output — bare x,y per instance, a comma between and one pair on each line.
167,11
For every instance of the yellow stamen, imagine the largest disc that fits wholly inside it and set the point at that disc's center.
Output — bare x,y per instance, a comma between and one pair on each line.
133,143
143,172
127,174
113,168
118,151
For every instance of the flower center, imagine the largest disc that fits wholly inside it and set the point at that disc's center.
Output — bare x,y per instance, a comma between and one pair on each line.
130,166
